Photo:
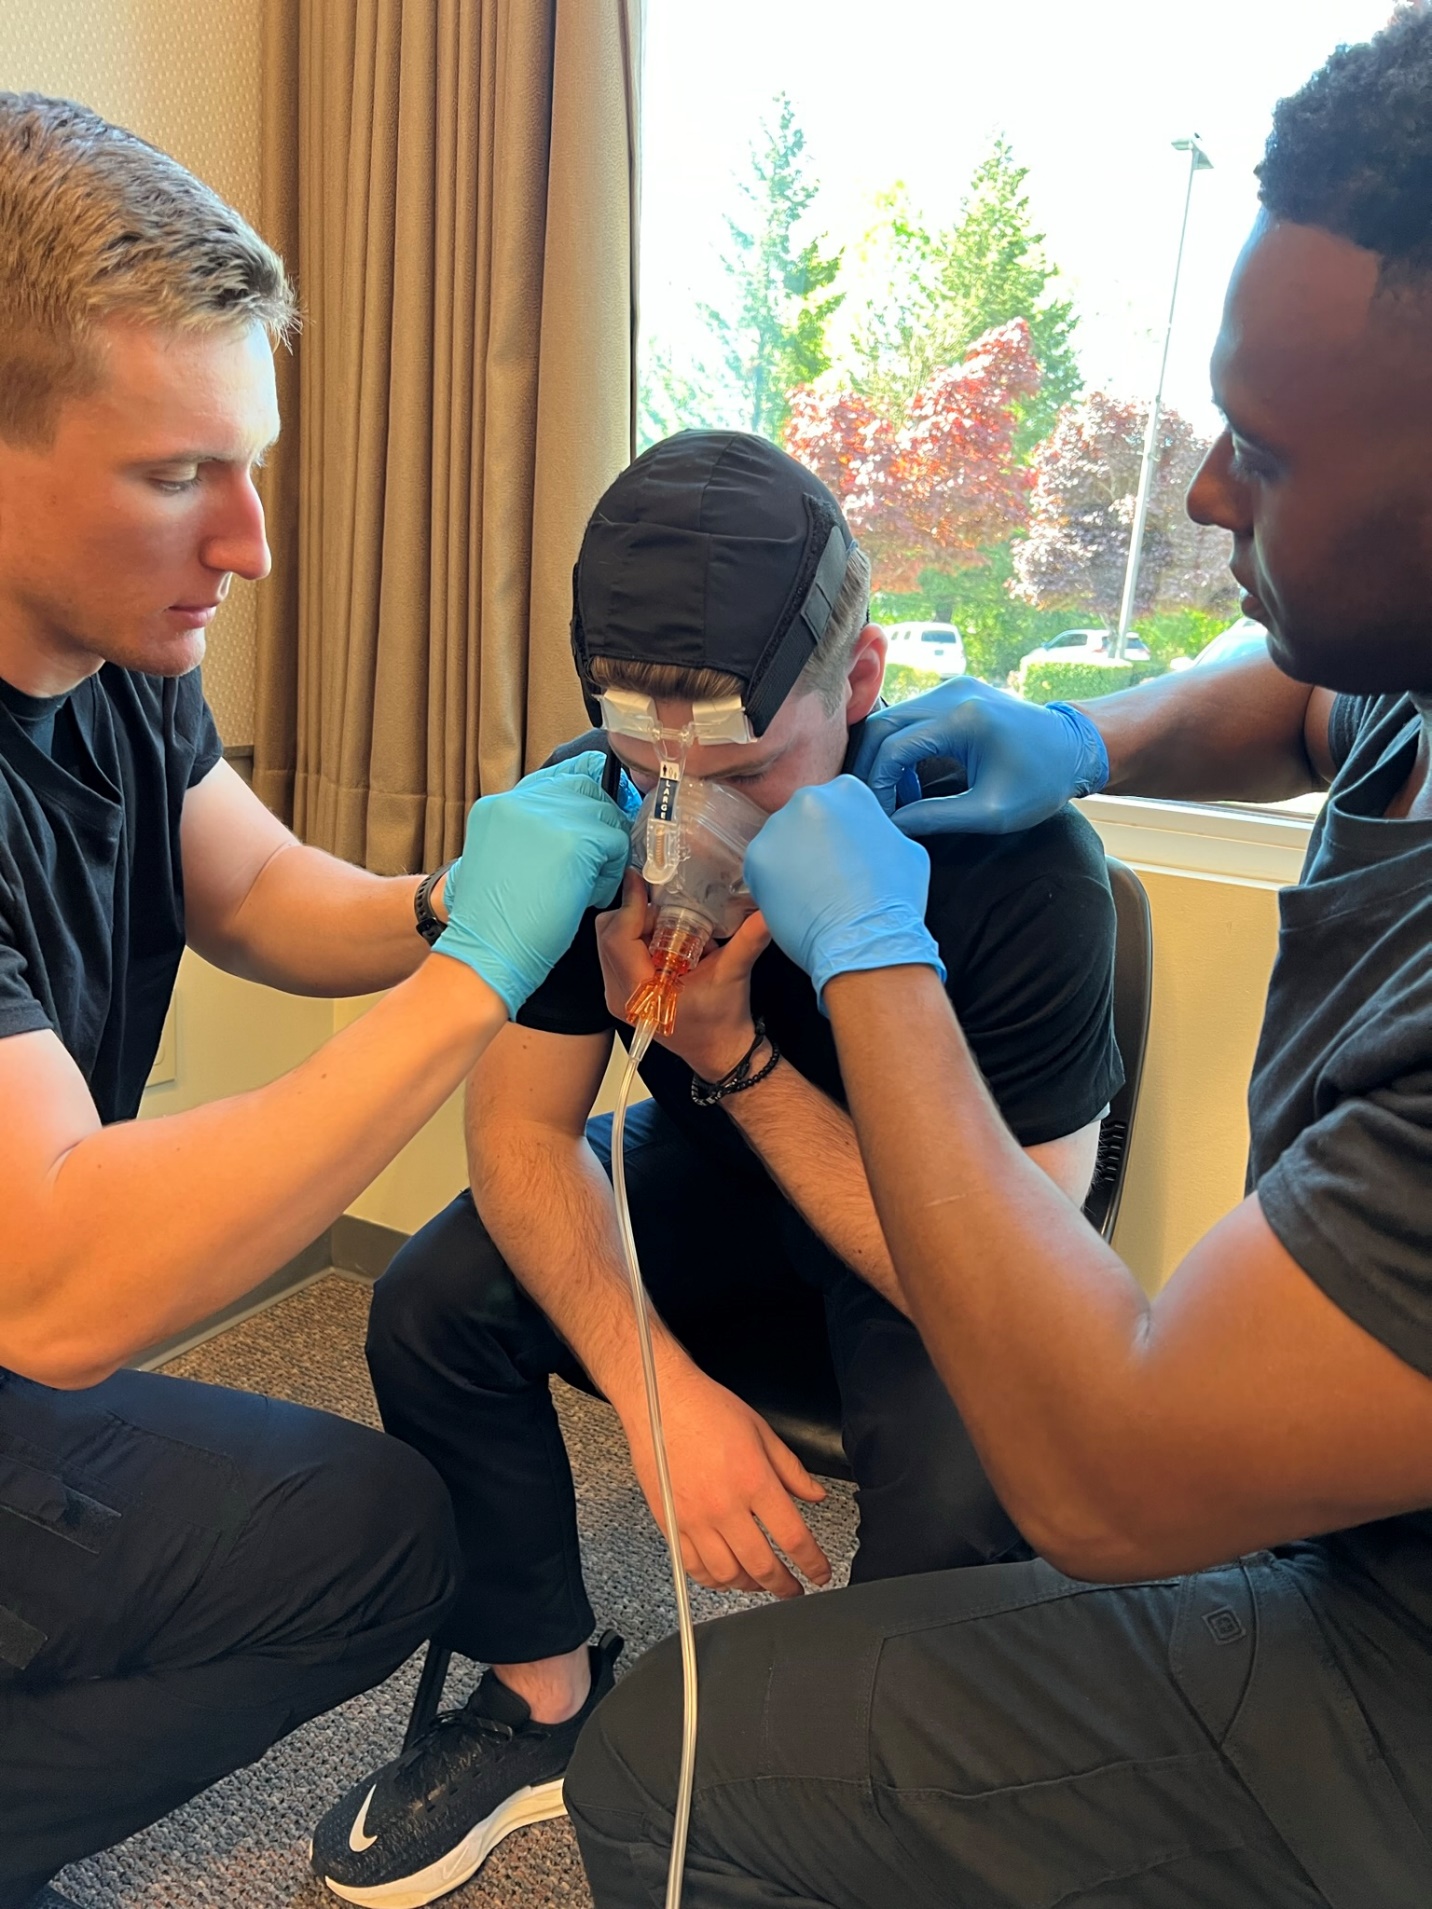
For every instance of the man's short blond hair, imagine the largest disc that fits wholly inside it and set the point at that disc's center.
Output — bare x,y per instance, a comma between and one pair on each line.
95,224
824,675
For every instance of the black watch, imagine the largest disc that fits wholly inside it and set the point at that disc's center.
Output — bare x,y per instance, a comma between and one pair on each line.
429,926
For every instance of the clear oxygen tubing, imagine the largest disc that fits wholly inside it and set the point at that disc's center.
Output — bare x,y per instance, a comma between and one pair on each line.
681,1820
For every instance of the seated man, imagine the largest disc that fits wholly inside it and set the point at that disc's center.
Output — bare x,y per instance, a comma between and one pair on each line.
1256,1734
714,567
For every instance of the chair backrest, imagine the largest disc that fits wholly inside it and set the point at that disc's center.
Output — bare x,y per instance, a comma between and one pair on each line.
1133,987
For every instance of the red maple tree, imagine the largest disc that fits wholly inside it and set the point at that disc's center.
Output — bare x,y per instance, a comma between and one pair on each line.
936,489
1086,476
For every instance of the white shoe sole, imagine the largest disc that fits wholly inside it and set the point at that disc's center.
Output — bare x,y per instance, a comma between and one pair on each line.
538,1803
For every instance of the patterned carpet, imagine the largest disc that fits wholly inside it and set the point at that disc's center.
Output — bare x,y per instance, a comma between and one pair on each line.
242,1845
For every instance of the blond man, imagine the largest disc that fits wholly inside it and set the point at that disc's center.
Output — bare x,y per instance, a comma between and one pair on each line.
187,1573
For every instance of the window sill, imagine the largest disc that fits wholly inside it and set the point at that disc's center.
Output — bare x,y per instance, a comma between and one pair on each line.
1254,849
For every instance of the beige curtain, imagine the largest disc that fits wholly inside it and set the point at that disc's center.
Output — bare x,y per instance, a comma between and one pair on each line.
455,183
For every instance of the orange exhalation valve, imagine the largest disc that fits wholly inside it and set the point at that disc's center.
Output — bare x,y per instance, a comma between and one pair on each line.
677,944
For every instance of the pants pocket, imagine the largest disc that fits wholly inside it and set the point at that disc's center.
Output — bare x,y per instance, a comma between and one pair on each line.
45,1500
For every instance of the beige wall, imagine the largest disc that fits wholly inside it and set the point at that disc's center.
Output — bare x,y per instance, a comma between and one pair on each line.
1214,944
185,75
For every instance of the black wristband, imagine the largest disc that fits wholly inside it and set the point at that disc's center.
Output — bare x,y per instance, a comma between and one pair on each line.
428,923
706,1093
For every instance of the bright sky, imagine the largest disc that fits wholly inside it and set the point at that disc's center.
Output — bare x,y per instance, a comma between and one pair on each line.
1088,92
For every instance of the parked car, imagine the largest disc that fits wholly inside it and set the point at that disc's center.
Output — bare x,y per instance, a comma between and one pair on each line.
1240,639
1087,646
933,647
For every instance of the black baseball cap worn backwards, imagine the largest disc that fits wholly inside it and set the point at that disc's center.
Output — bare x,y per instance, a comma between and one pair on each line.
714,550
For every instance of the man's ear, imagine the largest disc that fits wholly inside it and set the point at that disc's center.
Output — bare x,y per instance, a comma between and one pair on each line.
867,673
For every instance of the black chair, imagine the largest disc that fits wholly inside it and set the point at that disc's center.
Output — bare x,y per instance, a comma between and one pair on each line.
792,1385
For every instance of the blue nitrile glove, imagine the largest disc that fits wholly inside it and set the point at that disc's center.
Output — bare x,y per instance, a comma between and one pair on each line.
1022,761
533,861
839,888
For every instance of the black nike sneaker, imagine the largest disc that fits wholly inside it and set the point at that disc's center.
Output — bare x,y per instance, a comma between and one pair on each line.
422,1825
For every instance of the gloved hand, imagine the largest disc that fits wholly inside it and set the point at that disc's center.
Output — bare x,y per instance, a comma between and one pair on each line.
1022,762
533,861
838,887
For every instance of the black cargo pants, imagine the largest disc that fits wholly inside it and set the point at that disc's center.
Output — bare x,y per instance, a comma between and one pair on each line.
1010,1739
460,1359
186,1574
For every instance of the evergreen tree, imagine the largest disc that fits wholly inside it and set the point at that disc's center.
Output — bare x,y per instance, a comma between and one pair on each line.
947,288
773,337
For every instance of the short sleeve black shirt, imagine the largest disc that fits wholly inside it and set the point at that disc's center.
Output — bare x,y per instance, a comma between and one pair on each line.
1025,926
92,789
1340,1112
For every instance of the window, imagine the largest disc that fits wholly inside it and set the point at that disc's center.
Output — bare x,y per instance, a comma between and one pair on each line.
931,254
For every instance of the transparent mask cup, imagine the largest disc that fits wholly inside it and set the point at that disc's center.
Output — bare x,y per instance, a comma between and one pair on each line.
705,896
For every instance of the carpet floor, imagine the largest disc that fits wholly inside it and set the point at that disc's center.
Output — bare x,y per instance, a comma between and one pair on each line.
243,1844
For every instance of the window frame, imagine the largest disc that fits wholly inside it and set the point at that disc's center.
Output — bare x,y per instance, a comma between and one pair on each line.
1201,839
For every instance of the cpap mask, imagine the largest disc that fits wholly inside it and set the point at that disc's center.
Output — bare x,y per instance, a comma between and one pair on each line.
689,839
626,712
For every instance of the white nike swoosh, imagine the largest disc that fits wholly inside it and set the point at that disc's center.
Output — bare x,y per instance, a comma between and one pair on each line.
357,1841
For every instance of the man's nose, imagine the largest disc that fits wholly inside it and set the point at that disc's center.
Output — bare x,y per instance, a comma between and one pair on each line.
236,540
1215,496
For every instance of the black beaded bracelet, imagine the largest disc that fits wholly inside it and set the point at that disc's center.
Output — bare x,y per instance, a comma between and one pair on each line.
706,1093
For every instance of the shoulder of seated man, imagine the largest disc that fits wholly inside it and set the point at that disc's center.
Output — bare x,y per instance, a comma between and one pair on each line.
578,746
1065,842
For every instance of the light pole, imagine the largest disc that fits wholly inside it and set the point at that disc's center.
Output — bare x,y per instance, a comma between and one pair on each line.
1198,161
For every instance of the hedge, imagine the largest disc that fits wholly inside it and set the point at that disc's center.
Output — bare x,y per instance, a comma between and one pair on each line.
902,682
1063,682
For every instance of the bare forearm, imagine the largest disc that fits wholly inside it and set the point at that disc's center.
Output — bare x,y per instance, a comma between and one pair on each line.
1035,1325
548,1207
312,924
809,1147
149,1226
1232,733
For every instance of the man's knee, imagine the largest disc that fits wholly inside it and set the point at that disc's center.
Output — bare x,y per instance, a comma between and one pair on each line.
448,1277
926,1503
354,1538
624,1769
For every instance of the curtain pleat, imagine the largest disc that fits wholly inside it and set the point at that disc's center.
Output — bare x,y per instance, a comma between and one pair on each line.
457,188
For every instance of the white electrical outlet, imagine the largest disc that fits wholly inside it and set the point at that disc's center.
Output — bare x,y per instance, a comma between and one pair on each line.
166,1061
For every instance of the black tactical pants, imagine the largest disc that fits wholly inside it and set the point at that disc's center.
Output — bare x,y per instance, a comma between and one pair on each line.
187,1574
460,1359
1009,1739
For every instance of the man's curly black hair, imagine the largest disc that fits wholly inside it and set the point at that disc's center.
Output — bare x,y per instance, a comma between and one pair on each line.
1352,152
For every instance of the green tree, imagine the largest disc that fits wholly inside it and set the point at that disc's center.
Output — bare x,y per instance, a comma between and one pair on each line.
669,400
773,335
942,289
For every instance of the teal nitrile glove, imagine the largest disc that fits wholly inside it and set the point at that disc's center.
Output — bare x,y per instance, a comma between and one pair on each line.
1022,761
839,887
533,861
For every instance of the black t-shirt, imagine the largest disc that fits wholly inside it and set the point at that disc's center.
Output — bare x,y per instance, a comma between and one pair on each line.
1340,1110
1025,926
92,787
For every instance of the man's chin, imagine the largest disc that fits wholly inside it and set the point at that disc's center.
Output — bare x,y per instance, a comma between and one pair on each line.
172,653
1367,663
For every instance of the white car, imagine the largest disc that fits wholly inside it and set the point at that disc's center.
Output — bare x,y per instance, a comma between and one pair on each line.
1087,646
933,647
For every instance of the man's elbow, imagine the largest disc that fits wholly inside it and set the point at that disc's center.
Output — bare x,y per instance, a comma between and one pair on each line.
1101,1537
60,1360
57,1335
